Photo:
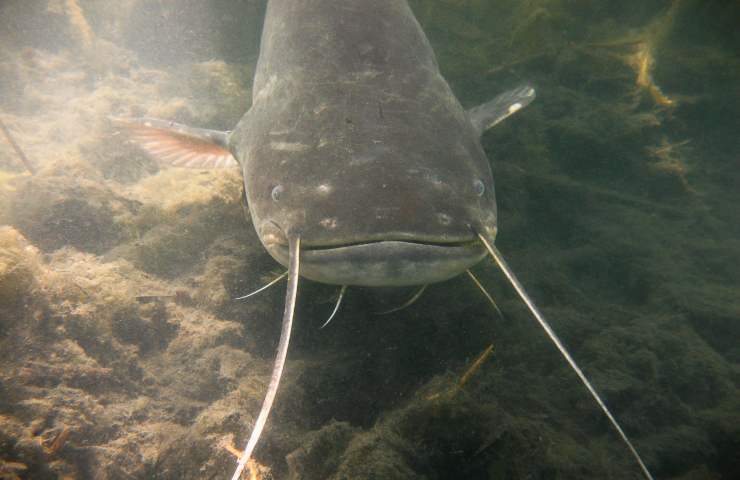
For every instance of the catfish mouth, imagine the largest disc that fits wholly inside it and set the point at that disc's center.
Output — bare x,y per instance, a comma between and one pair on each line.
309,248
385,262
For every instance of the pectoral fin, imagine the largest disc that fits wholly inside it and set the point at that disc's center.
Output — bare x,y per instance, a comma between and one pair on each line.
178,145
494,111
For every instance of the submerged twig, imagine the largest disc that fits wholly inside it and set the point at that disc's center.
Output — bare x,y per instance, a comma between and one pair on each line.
474,367
17,148
449,393
59,440
229,447
254,468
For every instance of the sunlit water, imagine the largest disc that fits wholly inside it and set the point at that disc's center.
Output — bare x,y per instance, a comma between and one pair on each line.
124,355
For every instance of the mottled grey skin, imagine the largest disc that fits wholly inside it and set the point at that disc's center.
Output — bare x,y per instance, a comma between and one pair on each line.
356,143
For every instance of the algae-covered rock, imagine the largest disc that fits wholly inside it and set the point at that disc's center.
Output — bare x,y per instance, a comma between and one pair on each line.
101,361
185,211
437,434
320,452
57,211
19,265
123,354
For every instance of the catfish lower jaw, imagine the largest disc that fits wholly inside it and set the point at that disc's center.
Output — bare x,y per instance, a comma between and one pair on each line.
384,263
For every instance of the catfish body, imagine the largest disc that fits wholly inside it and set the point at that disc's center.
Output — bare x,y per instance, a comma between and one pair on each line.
353,139
360,166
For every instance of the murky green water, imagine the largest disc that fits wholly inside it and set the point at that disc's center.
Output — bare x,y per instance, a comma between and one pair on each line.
124,355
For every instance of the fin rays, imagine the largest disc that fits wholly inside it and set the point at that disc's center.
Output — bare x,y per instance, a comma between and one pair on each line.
179,145
499,259
497,110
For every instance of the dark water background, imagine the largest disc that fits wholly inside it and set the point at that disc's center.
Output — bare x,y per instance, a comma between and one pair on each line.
618,207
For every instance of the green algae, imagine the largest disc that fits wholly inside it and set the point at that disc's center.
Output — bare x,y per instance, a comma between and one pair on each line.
618,208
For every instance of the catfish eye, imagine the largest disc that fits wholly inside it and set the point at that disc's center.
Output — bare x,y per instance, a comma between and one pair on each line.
276,193
479,188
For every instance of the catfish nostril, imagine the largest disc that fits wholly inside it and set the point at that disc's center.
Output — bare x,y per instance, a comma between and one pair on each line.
272,234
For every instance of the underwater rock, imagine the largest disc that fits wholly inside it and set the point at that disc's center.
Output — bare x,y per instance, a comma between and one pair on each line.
618,201
437,434
119,161
21,456
56,211
185,212
19,265
146,326
320,452
87,357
